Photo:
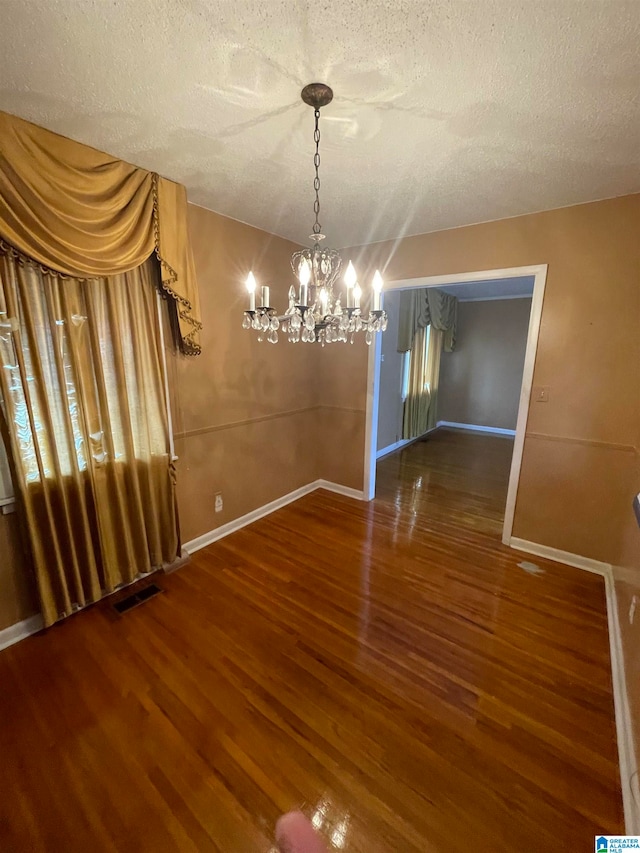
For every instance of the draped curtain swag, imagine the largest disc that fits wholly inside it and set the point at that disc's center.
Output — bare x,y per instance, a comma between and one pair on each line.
427,306
85,214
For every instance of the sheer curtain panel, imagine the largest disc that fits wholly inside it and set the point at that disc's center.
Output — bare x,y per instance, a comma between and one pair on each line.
83,412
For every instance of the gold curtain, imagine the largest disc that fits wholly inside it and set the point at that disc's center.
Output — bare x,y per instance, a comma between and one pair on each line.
83,407
437,342
85,214
420,407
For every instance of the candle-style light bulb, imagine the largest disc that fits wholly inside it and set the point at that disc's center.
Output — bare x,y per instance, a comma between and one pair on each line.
350,279
251,288
304,274
324,300
357,293
304,271
350,276
377,284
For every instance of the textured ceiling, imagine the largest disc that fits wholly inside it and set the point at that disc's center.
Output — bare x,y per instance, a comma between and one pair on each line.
446,113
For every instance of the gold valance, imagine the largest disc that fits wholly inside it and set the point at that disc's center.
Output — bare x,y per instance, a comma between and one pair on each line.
85,214
427,306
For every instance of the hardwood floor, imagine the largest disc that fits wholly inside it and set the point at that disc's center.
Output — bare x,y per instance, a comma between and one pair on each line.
455,477
386,666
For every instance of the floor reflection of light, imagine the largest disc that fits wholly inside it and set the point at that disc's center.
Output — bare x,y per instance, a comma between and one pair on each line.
339,834
334,826
319,815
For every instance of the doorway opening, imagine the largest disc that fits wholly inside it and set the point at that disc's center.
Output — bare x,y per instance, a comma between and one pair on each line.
481,285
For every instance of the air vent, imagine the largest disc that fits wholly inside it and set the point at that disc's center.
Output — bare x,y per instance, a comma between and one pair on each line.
136,598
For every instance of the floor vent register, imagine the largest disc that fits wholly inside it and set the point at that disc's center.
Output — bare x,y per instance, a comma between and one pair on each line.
136,598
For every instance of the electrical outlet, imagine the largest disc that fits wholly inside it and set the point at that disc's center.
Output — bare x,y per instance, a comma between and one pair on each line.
219,503
632,609
541,393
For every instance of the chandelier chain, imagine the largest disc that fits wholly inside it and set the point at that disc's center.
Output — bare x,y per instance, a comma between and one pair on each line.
316,313
316,181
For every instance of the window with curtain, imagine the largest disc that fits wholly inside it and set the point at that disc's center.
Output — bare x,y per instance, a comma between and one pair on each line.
420,404
84,419
49,420
406,366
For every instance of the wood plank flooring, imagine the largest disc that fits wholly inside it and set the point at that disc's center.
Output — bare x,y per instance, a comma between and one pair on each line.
387,667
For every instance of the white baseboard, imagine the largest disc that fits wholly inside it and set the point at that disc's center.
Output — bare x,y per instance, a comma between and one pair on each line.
15,633
391,448
356,494
238,523
627,757
476,428
566,557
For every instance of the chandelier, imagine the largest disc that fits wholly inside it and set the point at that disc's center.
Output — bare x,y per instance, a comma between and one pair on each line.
316,313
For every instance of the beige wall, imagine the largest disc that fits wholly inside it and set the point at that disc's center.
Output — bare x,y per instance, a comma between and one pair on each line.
480,381
342,398
579,446
243,410
390,405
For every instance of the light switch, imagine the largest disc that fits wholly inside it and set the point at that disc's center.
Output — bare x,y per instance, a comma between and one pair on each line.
541,394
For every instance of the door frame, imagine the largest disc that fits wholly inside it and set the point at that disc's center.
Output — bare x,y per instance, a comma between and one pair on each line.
539,272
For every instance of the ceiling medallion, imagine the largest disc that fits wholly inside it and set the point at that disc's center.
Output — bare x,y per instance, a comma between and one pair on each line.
315,312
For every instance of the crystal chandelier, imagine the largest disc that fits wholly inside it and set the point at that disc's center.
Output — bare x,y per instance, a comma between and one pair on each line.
315,311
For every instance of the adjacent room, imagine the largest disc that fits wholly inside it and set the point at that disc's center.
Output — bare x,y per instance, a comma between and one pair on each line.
450,385
319,426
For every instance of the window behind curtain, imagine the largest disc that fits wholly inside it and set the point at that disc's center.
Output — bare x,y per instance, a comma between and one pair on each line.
83,321
406,366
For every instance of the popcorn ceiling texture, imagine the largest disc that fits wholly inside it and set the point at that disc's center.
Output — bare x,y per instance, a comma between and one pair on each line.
445,113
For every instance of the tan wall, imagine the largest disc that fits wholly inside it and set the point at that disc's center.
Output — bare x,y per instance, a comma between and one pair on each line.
342,397
588,353
243,410
480,381
390,403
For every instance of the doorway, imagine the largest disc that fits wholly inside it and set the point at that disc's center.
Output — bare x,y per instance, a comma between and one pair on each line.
500,278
